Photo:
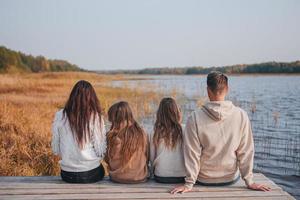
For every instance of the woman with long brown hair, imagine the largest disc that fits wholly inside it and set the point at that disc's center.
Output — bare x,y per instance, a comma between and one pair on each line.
127,152
79,136
166,153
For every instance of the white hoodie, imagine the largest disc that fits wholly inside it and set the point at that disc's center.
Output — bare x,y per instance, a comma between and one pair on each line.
218,144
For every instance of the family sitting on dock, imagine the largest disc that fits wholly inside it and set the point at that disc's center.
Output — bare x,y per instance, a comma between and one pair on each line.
215,148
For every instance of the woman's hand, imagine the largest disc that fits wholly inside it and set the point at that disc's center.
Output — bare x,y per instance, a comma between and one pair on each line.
260,187
180,189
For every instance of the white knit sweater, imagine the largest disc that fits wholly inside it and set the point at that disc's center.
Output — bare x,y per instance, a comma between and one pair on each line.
166,162
74,159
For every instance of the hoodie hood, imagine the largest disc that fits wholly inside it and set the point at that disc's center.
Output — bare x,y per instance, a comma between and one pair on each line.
218,110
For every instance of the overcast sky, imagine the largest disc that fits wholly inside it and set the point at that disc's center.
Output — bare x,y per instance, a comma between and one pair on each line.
134,34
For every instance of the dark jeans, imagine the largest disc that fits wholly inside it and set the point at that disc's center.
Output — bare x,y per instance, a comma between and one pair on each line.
160,179
90,176
219,184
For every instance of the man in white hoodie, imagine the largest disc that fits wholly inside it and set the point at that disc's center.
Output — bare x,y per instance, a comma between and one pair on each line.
218,143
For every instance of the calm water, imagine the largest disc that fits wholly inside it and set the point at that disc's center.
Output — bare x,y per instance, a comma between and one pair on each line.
273,105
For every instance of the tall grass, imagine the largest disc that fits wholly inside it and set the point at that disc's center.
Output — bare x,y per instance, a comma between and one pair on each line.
27,106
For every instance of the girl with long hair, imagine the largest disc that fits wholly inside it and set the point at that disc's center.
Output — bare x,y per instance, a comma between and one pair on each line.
166,154
79,136
127,152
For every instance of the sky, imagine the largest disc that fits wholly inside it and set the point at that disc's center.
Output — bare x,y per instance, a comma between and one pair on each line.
135,34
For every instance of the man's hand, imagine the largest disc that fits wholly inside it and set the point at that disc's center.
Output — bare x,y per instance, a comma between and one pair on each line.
260,187
180,189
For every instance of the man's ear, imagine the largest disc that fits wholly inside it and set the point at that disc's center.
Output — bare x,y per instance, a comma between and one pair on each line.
226,90
209,93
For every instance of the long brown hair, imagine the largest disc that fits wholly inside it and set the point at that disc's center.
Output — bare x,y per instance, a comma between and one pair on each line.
81,108
167,127
124,126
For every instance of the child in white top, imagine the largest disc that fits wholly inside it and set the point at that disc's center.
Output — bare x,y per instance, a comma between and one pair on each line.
166,155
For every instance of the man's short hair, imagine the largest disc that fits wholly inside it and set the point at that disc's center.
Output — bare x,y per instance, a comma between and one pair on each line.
217,81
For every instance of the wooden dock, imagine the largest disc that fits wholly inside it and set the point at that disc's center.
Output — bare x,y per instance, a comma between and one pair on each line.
52,187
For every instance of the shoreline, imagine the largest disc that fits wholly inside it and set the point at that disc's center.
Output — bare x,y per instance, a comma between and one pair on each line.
229,74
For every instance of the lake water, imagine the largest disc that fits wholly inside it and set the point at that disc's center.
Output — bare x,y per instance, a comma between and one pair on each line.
272,103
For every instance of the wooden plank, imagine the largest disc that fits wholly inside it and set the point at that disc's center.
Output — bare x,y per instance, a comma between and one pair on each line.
49,187
186,198
116,190
257,176
107,182
240,194
57,180
234,198
104,186
113,185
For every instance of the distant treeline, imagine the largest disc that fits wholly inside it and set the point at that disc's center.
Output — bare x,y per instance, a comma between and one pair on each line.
15,62
268,67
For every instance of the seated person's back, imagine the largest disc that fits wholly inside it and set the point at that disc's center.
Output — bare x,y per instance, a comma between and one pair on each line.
127,153
166,154
73,158
78,136
220,134
218,141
